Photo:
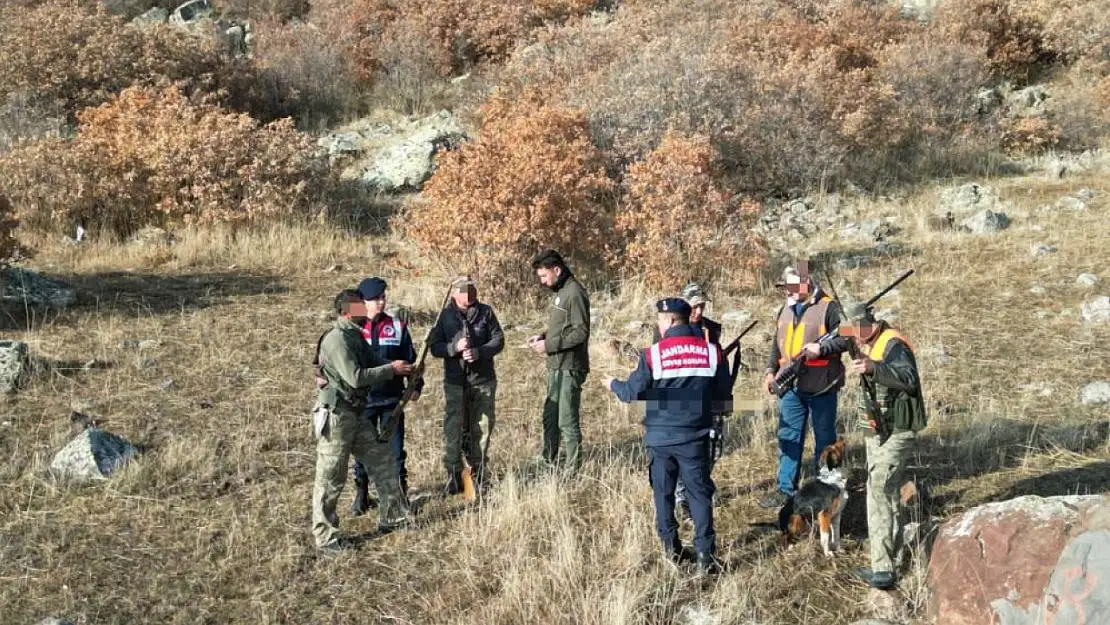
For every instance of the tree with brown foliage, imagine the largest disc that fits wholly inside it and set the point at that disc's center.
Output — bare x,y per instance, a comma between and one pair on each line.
679,223
154,157
531,180
9,247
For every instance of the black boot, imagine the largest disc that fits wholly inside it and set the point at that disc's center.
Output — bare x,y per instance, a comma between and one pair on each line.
882,580
454,484
708,564
362,499
676,553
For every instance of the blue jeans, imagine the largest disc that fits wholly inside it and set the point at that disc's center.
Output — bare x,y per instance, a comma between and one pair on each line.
794,407
378,414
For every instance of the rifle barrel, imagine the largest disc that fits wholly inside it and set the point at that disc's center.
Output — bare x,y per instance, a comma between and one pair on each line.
868,303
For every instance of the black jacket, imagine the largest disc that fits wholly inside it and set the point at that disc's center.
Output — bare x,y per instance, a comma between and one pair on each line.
485,335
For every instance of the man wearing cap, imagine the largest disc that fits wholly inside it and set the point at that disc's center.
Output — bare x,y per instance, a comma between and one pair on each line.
467,337
696,297
889,370
390,339
348,369
808,315
684,380
566,345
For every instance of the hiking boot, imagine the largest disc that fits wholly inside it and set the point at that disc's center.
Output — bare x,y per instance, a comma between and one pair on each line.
882,580
363,501
335,546
708,564
677,553
776,499
454,484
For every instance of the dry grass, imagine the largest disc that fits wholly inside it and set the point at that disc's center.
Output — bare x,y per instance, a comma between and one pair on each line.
211,525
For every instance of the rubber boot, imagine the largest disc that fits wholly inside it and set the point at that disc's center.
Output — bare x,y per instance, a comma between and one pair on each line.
708,564
677,553
362,501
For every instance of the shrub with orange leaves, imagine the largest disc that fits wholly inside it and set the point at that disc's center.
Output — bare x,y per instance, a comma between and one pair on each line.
1015,41
154,157
679,223
531,179
1028,135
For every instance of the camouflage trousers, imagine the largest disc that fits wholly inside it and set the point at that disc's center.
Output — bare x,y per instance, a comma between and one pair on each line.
346,435
470,436
886,466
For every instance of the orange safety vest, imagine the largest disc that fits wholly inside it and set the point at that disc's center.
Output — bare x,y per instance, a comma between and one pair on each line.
793,336
880,345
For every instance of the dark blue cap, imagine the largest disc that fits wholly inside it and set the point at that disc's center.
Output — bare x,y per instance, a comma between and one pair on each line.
372,288
674,305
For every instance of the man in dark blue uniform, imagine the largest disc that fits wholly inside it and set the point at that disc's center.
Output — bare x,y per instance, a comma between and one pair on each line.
390,338
683,380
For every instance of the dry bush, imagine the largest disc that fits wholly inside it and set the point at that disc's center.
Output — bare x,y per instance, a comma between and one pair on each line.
1015,41
1073,30
299,71
679,223
282,10
531,179
154,157
74,54
1029,135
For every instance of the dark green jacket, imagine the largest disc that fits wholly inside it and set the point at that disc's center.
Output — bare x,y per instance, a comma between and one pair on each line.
897,387
351,367
568,327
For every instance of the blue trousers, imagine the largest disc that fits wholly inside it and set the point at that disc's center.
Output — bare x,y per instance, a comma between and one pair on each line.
794,410
690,461
379,414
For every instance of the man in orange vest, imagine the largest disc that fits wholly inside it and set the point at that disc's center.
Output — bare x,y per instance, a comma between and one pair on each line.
807,315
891,404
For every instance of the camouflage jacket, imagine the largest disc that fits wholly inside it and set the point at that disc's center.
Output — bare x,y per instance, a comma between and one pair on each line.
350,367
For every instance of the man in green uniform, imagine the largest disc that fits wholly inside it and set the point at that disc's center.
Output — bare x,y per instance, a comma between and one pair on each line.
891,414
346,369
566,345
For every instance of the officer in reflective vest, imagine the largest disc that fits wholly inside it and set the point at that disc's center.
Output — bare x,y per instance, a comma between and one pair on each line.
682,380
807,315
390,339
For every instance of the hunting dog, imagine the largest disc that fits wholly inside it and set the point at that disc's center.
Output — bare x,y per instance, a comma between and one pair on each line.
818,502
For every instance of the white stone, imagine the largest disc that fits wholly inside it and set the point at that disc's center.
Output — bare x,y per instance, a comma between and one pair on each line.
1086,279
93,455
1095,393
1096,310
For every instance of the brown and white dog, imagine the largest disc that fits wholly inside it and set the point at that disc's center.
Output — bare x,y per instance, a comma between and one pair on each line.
818,502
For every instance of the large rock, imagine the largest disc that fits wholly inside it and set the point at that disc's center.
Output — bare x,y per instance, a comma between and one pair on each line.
986,222
1095,393
1028,101
25,286
93,455
157,15
1025,561
396,156
966,199
1096,310
14,365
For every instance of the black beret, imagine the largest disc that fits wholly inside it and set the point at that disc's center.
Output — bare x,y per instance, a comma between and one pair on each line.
372,288
674,305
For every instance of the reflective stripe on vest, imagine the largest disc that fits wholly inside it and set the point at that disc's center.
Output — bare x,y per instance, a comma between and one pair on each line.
389,332
880,345
810,327
682,357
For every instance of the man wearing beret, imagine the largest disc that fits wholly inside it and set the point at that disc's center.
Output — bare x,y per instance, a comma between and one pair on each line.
389,338
467,338
683,380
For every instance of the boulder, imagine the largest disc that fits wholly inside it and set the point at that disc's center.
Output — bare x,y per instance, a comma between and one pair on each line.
14,365
966,199
94,454
1026,102
1095,393
25,286
1024,561
1086,279
406,160
1096,310
986,222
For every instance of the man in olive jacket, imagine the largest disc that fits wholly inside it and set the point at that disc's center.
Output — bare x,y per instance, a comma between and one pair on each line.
566,344
467,337
887,365
346,369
